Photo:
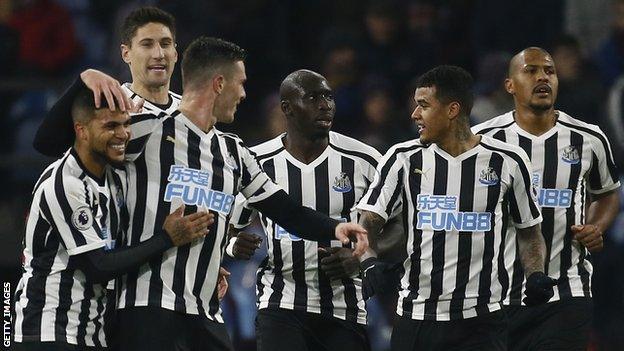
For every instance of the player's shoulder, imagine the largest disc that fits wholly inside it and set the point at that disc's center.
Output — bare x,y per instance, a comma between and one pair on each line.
175,95
66,172
269,147
228,135
504,149
577,125
496,123
410,146
351,146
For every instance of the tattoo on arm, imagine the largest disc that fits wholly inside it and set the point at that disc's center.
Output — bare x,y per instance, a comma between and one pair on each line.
532,249
373,223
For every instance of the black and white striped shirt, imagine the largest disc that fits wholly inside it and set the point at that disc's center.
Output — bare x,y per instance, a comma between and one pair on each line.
151,107
291,277
175,162
570,159
72,212
456,211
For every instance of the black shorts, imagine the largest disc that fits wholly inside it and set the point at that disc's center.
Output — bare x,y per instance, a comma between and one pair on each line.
281,329
560,325
157,329
482,333
51,346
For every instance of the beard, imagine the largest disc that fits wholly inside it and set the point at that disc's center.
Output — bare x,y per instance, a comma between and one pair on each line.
541,107
108,160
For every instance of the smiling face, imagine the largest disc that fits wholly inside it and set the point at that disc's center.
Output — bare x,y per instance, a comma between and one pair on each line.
107,135
151,55
533,80
311,107
430,115
232,94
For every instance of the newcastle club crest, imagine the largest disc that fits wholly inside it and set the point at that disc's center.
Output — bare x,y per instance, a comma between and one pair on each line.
488,177
571,155
342,183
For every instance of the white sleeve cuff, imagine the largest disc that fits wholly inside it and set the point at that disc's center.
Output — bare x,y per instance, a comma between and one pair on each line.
229,249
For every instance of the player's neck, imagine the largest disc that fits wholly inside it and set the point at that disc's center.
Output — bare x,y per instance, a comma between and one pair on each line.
158,95
304,148
458,141
535,122
91,161
198,109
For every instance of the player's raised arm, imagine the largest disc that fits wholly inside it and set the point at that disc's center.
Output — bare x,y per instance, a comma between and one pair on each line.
55,134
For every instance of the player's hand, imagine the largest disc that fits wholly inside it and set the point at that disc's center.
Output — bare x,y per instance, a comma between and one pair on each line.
184,229
589,235
378,276
222,283
101,83
246,245
344,231
137,107
539,289
338,262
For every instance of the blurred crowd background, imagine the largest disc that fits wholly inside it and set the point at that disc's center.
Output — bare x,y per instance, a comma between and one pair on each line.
370,52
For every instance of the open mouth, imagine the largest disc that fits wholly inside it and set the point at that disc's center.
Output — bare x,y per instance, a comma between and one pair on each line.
118,147
542,89
324,122
157,68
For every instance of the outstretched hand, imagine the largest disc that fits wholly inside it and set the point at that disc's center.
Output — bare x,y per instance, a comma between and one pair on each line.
346,231
222,283
184,229
100,84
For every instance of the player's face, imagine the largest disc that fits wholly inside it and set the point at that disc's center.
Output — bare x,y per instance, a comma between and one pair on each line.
151,56
313,110
109,133
232,94
533,81
431,115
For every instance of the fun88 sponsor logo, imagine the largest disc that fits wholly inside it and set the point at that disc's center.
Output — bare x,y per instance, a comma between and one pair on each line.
191,186
439,212
558,198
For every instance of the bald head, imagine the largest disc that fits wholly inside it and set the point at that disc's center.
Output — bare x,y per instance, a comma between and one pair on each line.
533,80
308,104
520,59
295,83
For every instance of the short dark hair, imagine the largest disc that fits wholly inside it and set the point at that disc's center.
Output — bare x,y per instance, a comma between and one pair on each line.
83,106
452,83
205,55
142,16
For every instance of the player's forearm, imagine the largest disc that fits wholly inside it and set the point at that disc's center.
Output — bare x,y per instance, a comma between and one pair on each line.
603,209
101,266
532,249
44,141
373,223
296,219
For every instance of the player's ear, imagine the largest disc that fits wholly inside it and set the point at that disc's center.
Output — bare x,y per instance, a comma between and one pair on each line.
453,110
218,81
175,55
285,105
509,86
80,131
125,53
